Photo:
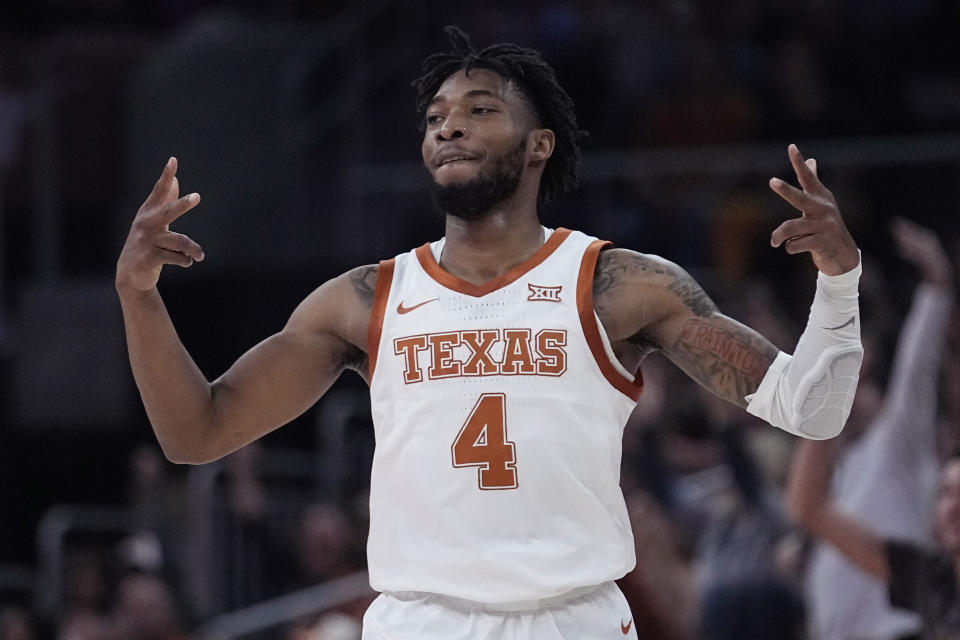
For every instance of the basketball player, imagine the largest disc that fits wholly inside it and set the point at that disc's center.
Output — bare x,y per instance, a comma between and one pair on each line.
501,364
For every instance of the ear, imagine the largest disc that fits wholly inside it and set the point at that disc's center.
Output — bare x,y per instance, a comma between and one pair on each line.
540,143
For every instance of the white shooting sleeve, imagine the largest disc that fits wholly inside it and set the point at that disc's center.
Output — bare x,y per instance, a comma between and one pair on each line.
810,393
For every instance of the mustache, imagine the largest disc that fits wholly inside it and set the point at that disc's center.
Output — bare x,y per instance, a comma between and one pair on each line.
478,196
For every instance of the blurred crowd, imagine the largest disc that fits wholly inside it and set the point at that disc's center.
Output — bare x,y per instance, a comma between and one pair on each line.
728,513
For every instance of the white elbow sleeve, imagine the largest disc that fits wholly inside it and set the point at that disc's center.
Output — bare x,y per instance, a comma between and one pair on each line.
810,393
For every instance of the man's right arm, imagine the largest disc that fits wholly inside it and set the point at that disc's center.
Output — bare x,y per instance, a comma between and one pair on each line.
910,406
809,506
196,420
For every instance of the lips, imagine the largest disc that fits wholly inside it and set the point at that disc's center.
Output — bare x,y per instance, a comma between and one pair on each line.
452,154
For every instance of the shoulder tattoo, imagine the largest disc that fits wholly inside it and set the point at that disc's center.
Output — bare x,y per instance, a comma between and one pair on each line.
613,267
364,281
616,268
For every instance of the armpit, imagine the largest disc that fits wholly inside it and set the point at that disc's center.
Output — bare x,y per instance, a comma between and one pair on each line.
354,358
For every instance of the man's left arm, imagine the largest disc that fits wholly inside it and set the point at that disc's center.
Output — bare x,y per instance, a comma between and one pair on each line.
652,304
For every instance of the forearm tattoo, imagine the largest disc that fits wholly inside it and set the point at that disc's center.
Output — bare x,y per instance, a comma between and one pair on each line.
727,359
364,281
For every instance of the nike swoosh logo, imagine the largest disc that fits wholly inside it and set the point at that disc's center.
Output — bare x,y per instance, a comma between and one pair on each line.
402,309
848,322
625,628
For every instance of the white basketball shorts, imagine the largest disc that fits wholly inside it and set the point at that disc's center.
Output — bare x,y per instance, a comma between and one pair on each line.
600,613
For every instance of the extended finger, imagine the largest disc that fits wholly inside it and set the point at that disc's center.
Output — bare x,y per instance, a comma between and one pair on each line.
805,175
165,256
163,183
173,191
172,241
791,229
799,199
810,162
173,210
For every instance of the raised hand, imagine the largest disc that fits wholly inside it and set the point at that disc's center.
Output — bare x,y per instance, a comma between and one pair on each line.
150,243
819,229
922,248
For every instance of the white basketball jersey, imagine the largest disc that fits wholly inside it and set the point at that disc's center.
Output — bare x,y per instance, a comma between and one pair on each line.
499,412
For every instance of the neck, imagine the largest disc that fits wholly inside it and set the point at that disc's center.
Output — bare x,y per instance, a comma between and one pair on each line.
487,247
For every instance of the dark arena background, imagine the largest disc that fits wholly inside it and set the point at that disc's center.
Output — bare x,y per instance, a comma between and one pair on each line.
296,122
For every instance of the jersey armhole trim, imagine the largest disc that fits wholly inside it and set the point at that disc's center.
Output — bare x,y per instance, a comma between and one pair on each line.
380,294
591,329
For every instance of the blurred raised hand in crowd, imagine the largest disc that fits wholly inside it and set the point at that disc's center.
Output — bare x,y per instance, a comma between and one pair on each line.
879,481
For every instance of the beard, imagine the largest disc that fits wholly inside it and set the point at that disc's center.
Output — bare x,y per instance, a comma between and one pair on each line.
473,199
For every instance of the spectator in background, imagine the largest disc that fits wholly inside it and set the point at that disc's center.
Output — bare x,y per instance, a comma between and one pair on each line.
158,542
86,601
917,578
145,610
876,518
708,535
322,546
753,610
322,552
740,540
660,589
155,498
740,590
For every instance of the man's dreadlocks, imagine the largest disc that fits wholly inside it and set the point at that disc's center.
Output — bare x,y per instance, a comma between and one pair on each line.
538,85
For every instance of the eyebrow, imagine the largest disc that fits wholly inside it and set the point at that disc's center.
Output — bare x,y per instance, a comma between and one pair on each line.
473,93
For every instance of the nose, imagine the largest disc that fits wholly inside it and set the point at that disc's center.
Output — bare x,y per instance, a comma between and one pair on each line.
451,129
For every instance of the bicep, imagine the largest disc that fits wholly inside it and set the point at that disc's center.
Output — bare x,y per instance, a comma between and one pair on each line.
284,375
276,381
651,303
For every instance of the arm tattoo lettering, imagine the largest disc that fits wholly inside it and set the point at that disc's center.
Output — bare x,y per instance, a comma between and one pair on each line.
728,359
727,346
364,281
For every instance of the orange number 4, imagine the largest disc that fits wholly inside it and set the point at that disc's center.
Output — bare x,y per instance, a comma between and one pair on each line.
482,442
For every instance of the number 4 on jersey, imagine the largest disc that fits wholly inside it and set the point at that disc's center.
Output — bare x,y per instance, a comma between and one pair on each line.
482,442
